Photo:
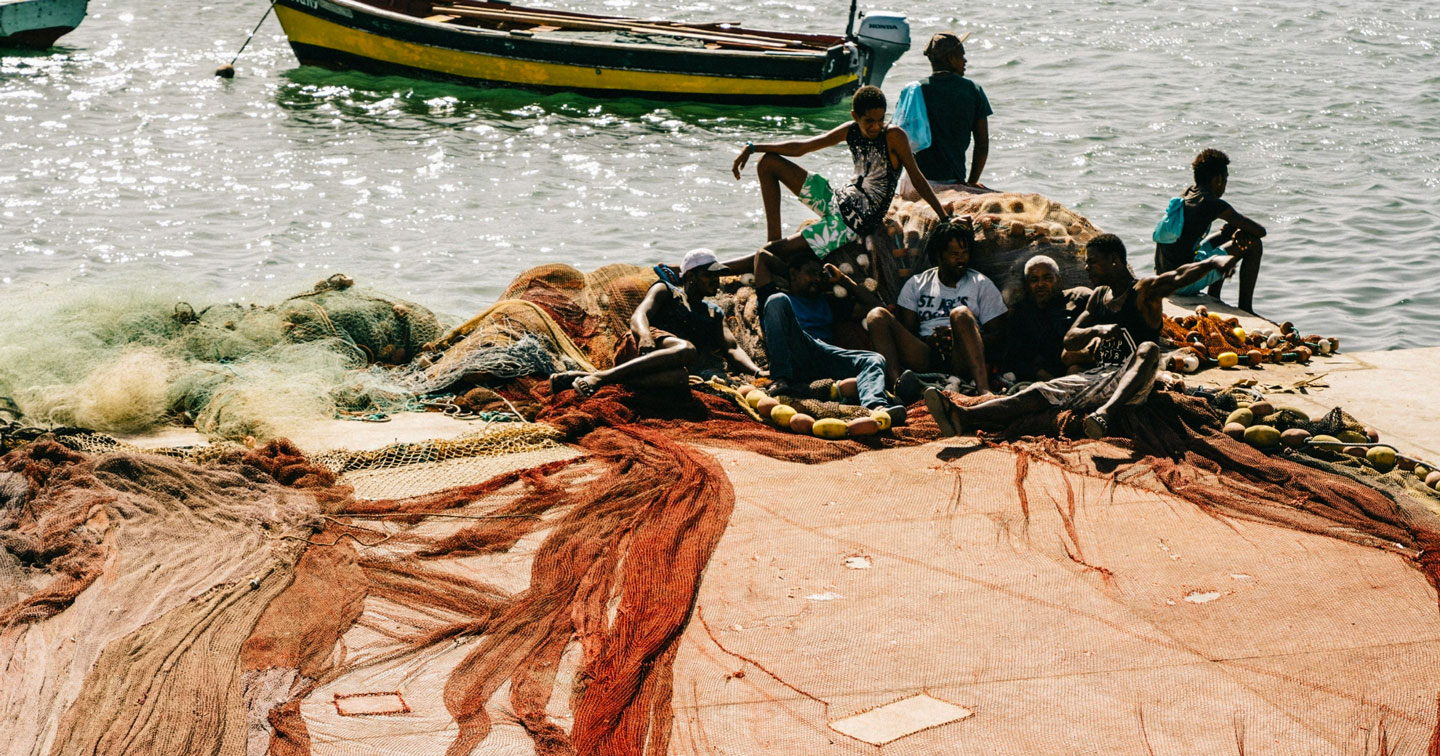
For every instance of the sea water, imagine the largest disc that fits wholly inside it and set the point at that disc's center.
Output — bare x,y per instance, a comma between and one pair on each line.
124,163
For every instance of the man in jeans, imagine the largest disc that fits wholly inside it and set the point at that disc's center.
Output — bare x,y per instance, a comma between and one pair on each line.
799,328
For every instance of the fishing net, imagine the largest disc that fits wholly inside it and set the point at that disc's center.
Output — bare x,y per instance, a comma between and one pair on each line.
1010,228
594,582
580,317
632,594
127,362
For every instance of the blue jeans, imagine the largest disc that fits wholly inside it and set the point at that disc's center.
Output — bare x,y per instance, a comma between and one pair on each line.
798,356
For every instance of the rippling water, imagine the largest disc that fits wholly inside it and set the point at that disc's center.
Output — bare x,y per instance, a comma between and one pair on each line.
125,163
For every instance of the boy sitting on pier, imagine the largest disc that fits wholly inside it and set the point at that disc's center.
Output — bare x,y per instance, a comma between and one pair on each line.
673,333
1201,205
847,213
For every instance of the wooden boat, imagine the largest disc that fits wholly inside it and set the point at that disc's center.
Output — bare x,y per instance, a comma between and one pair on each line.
499,44
38,23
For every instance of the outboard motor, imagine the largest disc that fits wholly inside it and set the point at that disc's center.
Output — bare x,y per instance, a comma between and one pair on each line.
882,37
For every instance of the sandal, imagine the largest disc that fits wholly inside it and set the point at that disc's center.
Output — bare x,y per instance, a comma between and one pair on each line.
943,411
1097,426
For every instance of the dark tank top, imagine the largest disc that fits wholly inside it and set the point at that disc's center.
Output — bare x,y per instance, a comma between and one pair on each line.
703,326
1116,349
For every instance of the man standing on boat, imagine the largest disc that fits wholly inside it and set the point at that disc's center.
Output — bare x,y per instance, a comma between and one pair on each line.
880,151
955,111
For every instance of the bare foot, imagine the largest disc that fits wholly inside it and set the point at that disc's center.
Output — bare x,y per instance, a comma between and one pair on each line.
564,380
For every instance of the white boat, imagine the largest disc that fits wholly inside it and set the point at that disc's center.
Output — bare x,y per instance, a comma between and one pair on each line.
38,23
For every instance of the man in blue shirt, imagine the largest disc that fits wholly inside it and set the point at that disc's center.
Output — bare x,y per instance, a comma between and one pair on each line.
799,328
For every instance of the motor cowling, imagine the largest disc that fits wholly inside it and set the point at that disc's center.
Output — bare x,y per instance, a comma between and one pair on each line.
883,37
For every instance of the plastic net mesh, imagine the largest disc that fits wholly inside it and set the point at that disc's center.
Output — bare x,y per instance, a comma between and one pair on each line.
1010,229
649,598
130,363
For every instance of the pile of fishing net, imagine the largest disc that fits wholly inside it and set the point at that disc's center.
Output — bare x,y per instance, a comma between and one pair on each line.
1010,228
629,592
128,363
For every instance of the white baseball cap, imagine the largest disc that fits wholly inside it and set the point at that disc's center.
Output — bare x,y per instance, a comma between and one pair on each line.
701,258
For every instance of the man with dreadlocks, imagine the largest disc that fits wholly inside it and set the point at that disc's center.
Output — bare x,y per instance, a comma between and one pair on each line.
1121,324
946,317
674,332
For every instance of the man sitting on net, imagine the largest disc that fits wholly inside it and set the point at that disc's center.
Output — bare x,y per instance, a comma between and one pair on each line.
799,326
1041,315
673,333
1123,315
946,316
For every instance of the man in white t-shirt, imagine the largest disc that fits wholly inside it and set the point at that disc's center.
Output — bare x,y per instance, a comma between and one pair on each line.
946,314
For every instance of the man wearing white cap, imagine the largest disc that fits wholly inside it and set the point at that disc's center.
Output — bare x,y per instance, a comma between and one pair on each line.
673,333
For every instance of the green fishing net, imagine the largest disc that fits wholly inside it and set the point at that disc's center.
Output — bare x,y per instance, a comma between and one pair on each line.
127,361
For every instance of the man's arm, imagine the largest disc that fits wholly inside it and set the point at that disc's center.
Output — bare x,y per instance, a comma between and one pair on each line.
981,140
1233,217
1166,284
896,139
658,294
1082,332
861,296
737,356
792,148
765,266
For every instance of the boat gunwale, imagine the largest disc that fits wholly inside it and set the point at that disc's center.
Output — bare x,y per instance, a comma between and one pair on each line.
497,34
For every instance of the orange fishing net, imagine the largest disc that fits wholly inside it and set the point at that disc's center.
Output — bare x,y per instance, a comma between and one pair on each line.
775,593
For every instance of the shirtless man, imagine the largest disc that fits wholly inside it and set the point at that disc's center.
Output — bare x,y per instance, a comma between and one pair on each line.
1124,315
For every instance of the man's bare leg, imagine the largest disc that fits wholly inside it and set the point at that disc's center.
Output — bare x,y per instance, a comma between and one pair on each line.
1249,249
1139,377
900,348
668,365
774,170
784,249
996,411
1253,250
967,353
